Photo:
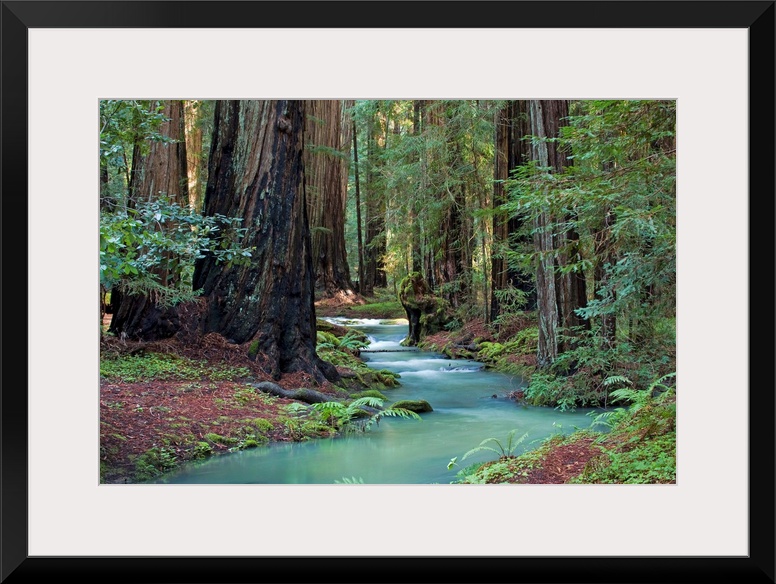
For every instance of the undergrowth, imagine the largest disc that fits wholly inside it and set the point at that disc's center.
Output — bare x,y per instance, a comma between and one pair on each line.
637,445
165,366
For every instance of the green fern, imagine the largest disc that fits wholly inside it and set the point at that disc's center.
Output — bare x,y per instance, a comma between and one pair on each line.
326,340
343,416
637,398
353,341
391,412
502,450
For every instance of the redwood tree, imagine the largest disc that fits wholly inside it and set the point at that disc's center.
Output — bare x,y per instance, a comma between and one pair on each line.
560,291
256,171
162,172
512,150
374,242
327,144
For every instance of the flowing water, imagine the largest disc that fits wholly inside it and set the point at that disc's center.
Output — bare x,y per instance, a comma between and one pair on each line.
469,405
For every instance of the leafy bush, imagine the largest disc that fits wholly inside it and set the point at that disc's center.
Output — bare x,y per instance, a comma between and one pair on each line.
160,235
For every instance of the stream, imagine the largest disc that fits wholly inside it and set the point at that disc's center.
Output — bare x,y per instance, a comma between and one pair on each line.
397,450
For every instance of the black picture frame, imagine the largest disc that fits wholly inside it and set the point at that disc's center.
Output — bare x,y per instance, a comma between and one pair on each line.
756,16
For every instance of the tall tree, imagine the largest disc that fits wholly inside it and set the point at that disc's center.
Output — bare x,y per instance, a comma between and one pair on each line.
163,170
444,158
512,150
327,145
256,171
375,236
560,289
159,171
627,154
570,278
359,233
196,163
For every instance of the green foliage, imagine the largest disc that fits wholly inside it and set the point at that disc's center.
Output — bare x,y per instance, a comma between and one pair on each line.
123,125
657,393
154,462
202,450
353,341
545,389
359,415
262,425
161,237
640,446
163,366
649,462
430,165
300,426
218,439
618,199
505,450
511,301
326,340
245,395
387,309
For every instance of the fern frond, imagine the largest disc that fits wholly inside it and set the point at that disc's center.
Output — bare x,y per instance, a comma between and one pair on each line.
332,406
617,379
401,413
659,382
627,394
479,449
371,402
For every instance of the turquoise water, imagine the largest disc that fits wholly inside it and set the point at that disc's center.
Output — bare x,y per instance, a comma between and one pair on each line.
469,402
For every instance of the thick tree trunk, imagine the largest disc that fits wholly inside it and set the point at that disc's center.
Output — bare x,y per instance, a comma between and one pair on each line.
256,172
194,162
358,212
140,317
326,172
511,151
415,234
559,295
547,305
571,286
162,172
374,271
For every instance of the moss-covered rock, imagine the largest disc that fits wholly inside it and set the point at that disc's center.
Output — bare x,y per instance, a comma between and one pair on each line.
413,405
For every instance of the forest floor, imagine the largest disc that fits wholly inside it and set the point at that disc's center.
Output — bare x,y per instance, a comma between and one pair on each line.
149,426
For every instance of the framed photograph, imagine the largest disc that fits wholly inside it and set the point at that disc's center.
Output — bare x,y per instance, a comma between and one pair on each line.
715,523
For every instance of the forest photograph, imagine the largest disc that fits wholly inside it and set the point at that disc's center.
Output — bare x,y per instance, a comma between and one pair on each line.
387,291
